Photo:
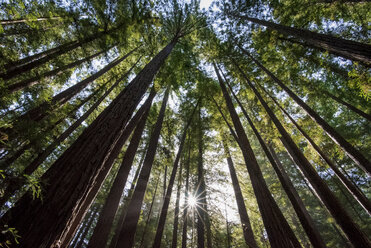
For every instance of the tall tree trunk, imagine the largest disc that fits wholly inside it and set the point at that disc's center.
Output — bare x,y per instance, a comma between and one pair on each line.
299,207
245,220
352,152
174,242
165,206
353,232
200,190
72,176
279,232
105,221
35,80
107,166
185,213
83,225
353,190
127,233
149,215
13,69
87,228
348,49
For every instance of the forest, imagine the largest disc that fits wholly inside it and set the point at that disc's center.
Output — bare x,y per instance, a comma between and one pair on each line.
185,123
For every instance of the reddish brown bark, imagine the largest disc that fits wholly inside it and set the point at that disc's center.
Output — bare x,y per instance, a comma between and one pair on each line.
352,152
279,232
127,233
353,232
72,176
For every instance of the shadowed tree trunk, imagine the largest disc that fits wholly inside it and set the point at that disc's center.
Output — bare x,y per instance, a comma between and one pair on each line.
72,176
127,233
279,232
299,207
353,232
165,206
87,227
35,80
245,220
65,237
185,213
353,190
26,64
174,242
83,226
348,49
102,229
352,152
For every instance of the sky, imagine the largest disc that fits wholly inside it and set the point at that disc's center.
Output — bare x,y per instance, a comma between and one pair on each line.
205,3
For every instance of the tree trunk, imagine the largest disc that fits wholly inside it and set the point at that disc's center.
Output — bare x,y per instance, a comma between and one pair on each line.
107,166
352,152
16,68
245,220
353,190
87,228
16,21
279,232
299,207
354,233
82,228
105,221
174,242
185,213
165,206
72,176
348,49
37,79
127,233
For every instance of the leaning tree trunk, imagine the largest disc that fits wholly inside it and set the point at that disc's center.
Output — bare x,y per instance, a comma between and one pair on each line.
165,206
245,220
279,232
13,69
37,79
353,232
299,207
174,242
127,233
83,225
185,213
352,152
86,227
72,176
348,49
107,167
102,229
353,190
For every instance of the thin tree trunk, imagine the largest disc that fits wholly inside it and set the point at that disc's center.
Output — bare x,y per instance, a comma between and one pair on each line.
165,206
185,213
107,166
299,207
37,79
87,228
354,233
174,242
348,49
245,220
72,176
227,225
127,233
149,215
102,229
353,190
16,68
279,232
352,152
16,21
82,228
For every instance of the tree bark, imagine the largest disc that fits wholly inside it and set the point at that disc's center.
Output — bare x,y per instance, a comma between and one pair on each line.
174,242
352,152
127,233
165,206
299,207
82,228
87,228
245,220
37,79
185,213
353,190
348,49
72,176
102,229
353,232
279,232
